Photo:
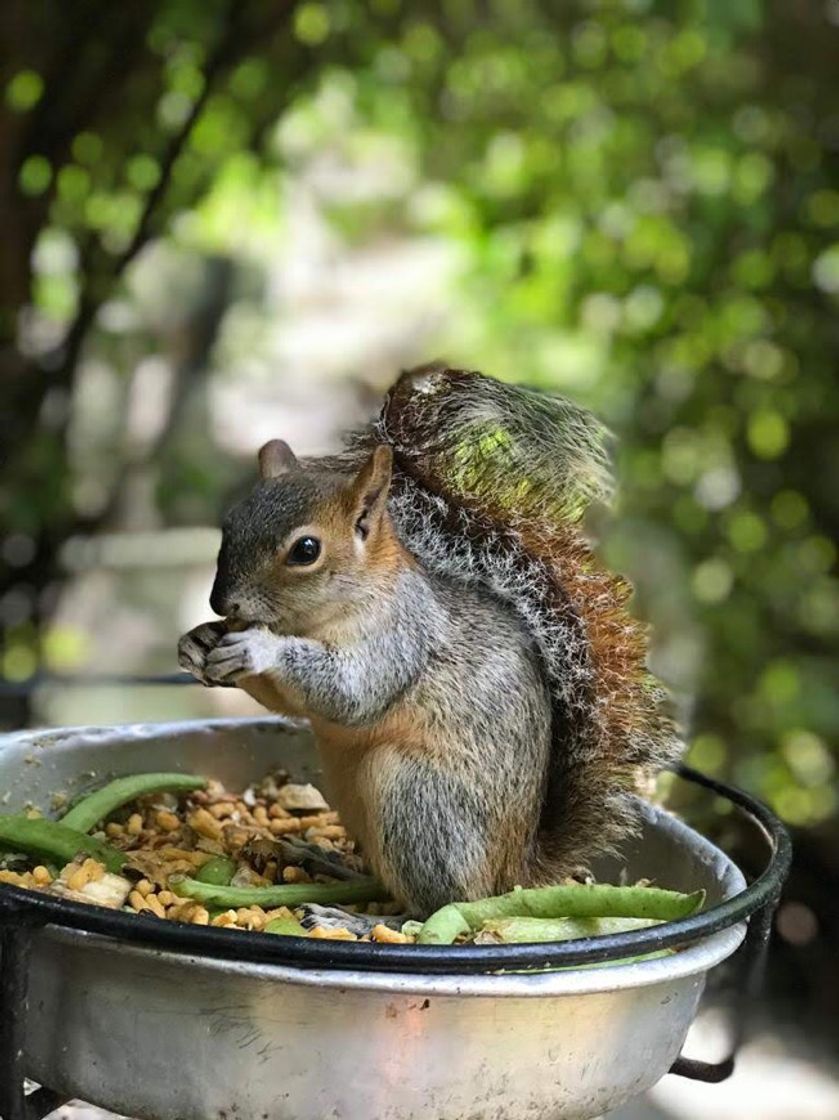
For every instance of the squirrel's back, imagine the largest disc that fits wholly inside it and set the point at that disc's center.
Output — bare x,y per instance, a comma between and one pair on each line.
490,483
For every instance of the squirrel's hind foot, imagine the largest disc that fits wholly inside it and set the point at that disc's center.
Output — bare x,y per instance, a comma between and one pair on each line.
333,917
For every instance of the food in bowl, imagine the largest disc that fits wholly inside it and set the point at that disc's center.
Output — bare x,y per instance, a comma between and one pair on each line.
268,859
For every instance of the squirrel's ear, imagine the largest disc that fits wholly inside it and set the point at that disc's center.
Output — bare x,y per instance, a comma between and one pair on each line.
276,458
369,489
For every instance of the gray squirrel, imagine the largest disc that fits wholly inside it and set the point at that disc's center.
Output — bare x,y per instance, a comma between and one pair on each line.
476,686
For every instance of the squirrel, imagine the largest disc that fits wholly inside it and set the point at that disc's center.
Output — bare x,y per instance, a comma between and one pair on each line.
426,598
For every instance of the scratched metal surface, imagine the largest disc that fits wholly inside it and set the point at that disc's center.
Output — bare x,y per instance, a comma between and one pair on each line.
170,1037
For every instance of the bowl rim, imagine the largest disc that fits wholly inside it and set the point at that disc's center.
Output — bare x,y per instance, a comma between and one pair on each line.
704,938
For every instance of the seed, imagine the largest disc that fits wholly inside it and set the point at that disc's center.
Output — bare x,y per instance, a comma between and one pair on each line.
388,936
221,809
200,916
166,898
135,825
41,876
167,821
295,875
314,820
235,837
155,906
280,912
136,900
228,918
79,878
182,912
94,869
280,826
14,879
205,824
143,888
330,832
113,829
332,934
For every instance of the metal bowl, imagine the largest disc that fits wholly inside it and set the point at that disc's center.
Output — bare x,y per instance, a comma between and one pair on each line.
172,1035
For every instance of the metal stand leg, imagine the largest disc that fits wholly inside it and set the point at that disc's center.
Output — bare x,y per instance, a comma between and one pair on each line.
15,949
752,966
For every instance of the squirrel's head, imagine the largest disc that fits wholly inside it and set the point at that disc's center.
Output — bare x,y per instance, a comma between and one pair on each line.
300,550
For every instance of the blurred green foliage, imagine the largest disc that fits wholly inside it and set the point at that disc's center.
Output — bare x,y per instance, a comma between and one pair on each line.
645,200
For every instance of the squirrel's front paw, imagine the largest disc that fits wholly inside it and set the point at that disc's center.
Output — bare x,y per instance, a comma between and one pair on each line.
195,646
246,653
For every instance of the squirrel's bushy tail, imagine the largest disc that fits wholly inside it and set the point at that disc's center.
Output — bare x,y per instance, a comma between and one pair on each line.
491,481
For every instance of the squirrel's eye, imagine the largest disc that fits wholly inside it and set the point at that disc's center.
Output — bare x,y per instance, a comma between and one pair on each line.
304,551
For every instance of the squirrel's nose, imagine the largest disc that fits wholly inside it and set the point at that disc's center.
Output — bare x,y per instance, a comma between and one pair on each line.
222,603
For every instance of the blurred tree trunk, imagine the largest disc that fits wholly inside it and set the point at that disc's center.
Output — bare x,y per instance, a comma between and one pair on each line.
93,64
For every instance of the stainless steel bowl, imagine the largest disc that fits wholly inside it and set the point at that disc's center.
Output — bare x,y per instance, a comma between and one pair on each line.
173,1036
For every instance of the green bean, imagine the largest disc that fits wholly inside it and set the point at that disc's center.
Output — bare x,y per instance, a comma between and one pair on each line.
593,900
94,808
516,930
53,839
288,894
286,927
217,871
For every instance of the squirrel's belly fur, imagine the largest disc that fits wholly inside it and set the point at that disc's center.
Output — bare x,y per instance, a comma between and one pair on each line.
444,790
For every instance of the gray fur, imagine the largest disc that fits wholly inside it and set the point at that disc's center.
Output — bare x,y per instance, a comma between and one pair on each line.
456,813
475,654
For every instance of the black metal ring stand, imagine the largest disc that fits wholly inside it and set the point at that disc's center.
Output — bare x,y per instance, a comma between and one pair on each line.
23,912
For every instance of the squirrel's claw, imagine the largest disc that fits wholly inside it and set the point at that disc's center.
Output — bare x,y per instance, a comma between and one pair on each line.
195,645
243,653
